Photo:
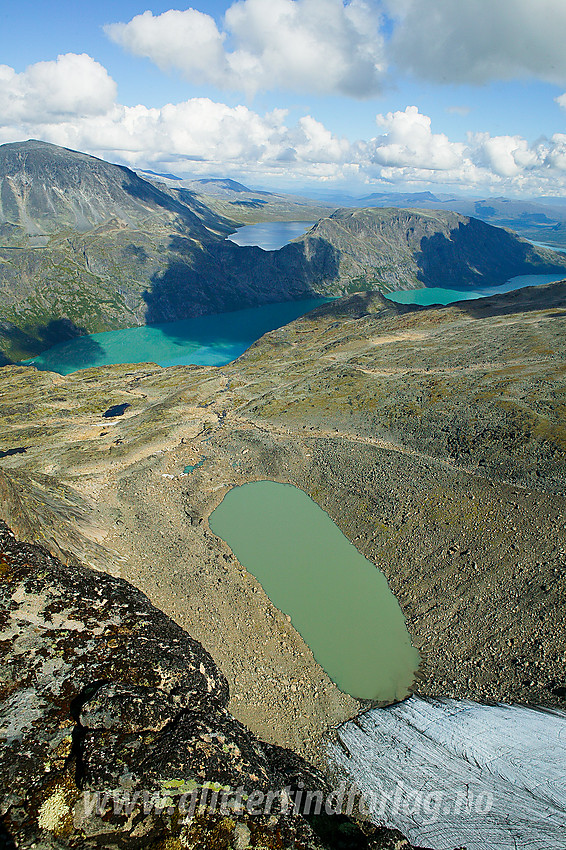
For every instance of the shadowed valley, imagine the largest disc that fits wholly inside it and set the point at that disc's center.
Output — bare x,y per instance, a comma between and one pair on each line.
86,246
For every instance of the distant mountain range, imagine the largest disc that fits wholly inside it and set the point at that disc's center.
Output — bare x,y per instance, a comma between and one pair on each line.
542,220
88,246
239,203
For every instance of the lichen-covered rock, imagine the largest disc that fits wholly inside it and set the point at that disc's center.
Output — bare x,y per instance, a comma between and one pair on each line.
115,730
67,631
101,691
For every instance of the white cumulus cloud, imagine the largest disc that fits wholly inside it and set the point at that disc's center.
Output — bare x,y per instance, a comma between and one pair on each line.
554,153
506,156
71,102
323,46
73,84
409,141
477,41
196,136
189,40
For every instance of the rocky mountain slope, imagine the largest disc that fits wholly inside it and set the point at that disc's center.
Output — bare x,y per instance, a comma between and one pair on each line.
86,246
45,189
408,248
434,438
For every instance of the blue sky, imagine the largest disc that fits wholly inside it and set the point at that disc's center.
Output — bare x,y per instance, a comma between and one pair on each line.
315,94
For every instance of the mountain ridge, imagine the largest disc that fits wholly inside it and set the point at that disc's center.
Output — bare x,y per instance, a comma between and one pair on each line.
45,189
407,248
88,246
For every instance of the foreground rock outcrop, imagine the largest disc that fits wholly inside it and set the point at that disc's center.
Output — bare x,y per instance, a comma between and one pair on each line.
115,728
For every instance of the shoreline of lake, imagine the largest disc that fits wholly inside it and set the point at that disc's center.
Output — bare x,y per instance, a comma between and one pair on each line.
210,340
217,339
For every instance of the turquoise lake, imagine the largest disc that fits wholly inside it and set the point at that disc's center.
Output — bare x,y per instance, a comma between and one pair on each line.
436,295
204,341
216,340
270,235
338,601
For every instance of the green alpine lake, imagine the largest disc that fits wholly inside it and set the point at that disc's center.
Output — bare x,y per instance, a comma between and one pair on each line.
338,601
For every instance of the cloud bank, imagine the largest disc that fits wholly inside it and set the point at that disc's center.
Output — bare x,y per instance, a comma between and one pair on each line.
72,102
337,47
320,46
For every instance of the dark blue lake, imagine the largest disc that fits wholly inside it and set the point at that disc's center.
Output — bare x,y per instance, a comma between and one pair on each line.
270,235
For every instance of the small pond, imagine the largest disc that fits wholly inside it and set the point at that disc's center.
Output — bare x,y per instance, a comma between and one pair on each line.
338,601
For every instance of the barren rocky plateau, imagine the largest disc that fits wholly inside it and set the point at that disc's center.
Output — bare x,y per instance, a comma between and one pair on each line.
433,437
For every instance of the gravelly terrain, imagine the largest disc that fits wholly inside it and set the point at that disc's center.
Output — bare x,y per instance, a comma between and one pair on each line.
434,438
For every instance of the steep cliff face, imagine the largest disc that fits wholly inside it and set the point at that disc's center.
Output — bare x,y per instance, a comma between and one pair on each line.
46,189
408,249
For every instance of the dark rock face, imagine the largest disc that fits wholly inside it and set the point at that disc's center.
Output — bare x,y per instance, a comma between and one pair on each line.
115,731
408,248
102,691
45,189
